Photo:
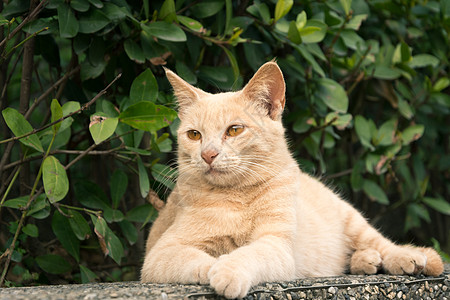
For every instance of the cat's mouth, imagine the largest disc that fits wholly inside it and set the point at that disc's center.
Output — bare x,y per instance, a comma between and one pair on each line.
215,171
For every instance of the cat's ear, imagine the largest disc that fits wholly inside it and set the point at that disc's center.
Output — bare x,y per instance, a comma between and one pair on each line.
268,88
186,94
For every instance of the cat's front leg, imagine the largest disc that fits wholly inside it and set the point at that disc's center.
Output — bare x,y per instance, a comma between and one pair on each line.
269,258
176,263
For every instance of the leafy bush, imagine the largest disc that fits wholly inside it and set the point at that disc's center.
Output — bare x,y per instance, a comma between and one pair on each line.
88,116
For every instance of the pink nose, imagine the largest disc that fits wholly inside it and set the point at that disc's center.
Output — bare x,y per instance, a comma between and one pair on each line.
209,155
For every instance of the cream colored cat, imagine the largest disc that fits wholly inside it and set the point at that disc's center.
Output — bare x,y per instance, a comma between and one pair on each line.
242,211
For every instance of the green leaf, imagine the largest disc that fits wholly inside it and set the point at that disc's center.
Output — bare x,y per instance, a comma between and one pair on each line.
185,72
93,21
412,133
190,23
423,60
340,121
233,63
383,72
167,11
63,231
114,246
40,209
20,126
165,31
144,87
54,175
96,3
374,192
148,116
53,264
102,127
386,133
67,108
346,5
87,275
420,211
405,109
363,131
116,13
91,195
352,40
57,113
79,225
207,8
118,186
68,24
282,8
228,15
80,5
134,51
129,231
310,59
16,203
441,83
301,20
31,230
293,33
332,94
144,183
438,204
113,215
140,213
356,179
309,30
355,21
314,31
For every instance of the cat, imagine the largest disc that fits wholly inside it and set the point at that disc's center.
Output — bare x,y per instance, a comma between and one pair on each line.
242,212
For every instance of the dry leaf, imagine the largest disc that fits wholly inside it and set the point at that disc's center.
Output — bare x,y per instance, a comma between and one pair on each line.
154,200
96,120
160,60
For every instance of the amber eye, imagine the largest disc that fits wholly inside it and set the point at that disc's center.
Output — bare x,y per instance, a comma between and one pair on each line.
235,130
194,135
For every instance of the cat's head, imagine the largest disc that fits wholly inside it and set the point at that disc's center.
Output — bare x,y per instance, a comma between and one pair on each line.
231,139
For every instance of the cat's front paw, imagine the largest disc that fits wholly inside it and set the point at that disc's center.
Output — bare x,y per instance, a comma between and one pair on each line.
229,279
366,261
201,271
404,260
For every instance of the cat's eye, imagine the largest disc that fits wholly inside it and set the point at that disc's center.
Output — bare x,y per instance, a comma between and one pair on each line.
194,135
235,130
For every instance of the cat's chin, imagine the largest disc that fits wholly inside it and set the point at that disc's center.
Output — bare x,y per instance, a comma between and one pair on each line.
219,177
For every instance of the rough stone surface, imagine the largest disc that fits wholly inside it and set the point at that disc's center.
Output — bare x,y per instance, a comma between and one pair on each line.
349,287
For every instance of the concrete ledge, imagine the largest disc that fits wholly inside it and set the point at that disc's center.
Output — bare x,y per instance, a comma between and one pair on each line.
349,287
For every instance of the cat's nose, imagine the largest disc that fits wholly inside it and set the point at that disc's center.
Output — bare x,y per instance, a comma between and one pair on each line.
209,155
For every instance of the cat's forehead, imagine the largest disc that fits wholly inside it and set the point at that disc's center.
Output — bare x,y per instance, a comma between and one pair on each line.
215,109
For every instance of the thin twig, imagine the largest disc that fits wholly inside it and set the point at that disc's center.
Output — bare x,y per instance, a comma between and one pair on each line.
49,90
28,19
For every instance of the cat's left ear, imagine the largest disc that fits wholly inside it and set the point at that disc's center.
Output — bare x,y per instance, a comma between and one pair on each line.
186,94
268,88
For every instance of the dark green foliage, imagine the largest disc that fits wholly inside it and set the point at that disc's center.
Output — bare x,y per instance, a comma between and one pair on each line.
367,110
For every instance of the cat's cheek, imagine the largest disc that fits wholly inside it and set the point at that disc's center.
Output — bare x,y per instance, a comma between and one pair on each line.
229,279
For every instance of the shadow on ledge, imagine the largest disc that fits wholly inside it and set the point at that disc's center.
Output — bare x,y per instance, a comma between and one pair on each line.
349,287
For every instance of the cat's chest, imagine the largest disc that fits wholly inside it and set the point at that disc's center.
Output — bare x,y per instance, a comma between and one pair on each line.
217,230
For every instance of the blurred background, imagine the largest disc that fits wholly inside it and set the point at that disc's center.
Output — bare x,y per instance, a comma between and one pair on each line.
86,153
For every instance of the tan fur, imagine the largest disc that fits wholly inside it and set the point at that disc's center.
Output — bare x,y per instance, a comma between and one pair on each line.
252,215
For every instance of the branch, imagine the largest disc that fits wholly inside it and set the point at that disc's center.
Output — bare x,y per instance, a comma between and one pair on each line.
84,107
28,19
49,90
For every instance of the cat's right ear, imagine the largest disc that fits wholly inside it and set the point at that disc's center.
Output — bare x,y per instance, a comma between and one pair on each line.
185,93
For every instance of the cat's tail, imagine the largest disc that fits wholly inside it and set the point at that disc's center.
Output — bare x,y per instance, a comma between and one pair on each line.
372,251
